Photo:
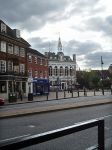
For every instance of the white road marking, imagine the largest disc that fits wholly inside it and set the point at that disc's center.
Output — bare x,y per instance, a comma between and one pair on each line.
107,128
5,140
31,126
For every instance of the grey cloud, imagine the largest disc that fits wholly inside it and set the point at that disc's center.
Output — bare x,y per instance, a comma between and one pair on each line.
88,49
82,47
32,14
94,59
100,25
42,45
86,7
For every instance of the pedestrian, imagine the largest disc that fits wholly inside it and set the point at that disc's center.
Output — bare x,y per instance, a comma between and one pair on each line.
21,95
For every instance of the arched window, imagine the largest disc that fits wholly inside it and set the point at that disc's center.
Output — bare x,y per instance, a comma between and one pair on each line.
61,71
71,71
50,70
55,70
66,71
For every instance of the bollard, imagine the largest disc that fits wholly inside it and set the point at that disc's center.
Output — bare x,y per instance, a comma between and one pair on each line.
85,94
111,91
102,91
64,94
72,93
94,92
78,93
47,97
56,94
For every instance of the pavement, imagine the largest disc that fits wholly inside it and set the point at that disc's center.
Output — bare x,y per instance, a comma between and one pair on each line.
51,108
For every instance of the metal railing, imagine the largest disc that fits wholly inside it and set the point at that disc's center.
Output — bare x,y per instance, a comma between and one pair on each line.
47,136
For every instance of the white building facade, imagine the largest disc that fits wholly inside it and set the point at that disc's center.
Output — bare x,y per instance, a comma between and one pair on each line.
62,69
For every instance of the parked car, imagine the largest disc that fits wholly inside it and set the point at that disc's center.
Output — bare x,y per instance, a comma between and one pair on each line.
2,101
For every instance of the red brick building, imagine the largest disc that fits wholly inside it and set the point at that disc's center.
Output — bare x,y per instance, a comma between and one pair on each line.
21,67
13,61
37,66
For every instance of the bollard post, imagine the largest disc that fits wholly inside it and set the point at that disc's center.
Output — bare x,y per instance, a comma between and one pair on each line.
56,94
47,97
94,92
64,94
78,92
103,91
85,94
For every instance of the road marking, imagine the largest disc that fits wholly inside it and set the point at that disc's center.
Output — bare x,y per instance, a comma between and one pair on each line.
106,128
31,126
5,140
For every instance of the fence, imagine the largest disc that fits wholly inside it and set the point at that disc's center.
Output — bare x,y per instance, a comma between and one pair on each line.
72,94
47,136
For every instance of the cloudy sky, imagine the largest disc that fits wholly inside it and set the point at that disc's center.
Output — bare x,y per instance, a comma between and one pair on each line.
85,27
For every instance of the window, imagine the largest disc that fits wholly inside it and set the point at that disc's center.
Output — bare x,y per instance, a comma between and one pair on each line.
22,52
36,73
3,46
46,62
22,68
71,71
45,74
30,59
41,61
66,71
61,71
3,28
3,87
2,66
16,69
41,74
10,66
10,48
35,60
30,73
55,71
50,70
16,50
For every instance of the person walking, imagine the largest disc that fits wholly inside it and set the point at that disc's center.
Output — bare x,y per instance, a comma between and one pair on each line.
21,95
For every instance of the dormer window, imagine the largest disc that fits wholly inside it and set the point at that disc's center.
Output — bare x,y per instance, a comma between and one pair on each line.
3,28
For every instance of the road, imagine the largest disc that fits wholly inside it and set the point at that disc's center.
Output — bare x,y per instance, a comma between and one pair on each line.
34,124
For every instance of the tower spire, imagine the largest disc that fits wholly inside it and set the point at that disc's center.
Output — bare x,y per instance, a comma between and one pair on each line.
59,44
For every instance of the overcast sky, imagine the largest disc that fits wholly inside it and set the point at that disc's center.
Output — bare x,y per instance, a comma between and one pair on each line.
85,27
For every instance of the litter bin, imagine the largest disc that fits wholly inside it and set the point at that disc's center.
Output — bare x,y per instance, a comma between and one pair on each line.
30,96
12,97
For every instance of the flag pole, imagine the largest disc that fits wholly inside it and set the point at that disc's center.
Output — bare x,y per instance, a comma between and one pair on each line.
102,68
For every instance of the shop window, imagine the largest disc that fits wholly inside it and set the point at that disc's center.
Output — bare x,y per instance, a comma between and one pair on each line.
3,87
24,87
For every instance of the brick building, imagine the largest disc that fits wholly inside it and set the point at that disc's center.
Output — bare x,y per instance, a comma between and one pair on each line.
13,61
37,65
